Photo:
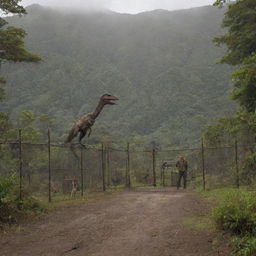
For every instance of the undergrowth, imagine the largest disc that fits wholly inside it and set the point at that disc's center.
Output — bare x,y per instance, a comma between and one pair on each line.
244,246
11,207
236,213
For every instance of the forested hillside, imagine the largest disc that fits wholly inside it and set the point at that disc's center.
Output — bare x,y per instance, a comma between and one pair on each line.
160,64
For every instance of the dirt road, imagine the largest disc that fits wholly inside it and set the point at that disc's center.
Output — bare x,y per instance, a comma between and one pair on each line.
133,223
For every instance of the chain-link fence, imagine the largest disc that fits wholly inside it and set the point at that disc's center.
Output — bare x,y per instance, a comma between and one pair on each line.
55,172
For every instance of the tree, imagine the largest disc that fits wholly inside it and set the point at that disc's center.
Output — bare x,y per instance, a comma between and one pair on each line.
221,2
240,19
245,84
12,46
241,127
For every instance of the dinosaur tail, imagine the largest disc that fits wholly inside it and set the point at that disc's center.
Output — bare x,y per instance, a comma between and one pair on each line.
72,134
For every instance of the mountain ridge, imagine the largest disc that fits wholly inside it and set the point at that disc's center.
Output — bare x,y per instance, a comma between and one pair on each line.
161,66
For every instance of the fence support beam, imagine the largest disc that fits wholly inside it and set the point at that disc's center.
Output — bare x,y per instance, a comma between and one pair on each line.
154,166
82,171
49,167
108,166
237,167
203,164
20,166
163,177
103,167
128,173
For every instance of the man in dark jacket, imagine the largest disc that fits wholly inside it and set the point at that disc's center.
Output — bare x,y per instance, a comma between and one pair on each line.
182,167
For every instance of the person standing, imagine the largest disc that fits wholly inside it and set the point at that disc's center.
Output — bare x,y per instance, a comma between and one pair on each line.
182,167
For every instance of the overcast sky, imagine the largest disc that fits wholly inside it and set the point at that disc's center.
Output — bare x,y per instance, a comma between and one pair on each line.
123,6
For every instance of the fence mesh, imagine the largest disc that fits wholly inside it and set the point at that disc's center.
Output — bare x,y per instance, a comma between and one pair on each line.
34,160
9,158
55,172
141,168
166,162
116,168
220,167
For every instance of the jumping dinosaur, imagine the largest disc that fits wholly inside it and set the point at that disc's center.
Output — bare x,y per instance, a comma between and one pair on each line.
84,124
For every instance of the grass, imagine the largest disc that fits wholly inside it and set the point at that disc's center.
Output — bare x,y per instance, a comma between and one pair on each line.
14,211
235,213
244,246
22,217
199,223
88,197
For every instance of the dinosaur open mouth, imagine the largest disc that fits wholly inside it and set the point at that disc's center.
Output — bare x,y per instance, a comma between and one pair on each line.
112,100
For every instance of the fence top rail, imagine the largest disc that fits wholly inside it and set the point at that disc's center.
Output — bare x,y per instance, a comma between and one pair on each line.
178,149
132,149
222,147
76,146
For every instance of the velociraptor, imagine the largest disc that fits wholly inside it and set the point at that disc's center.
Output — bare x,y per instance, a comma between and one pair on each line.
84,124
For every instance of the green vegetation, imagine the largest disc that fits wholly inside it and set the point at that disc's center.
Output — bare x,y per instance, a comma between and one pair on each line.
240,127
12,46
199,223
240,40
236,210
160,64
12,49
235,213
244,246
11,207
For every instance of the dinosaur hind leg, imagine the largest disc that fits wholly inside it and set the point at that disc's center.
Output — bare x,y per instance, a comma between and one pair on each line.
81,136
72,134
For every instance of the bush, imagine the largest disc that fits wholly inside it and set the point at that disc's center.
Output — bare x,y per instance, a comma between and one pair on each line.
237,213
7,185
248,169
244,246
11,208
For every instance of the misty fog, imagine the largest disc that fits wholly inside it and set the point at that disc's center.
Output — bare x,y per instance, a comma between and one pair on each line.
123,6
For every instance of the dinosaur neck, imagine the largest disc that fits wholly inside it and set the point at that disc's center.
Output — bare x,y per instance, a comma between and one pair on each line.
97,110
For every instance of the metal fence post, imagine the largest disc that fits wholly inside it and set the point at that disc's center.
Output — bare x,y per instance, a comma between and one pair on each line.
163,176
108,166
203,164
20,165
103,167
82,171
237,168
128,174
49,167
154,166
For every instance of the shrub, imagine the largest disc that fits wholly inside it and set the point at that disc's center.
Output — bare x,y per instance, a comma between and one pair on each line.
244,246
11,208
237,213
248,169
7,185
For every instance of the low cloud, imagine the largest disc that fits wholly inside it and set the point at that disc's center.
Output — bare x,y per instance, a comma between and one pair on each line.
124,6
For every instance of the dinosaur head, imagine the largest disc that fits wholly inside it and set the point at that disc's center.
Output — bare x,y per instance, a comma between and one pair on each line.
108,99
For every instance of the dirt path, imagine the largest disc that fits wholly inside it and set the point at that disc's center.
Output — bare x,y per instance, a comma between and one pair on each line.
135,223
